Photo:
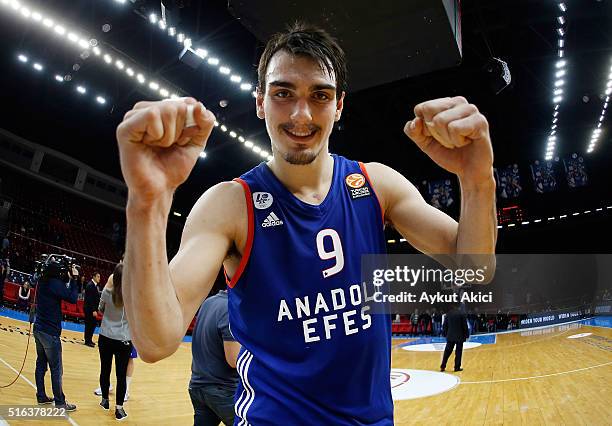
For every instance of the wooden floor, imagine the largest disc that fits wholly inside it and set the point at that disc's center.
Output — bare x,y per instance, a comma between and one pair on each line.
539,378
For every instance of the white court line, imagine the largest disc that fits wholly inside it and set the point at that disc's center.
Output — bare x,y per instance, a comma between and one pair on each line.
3,422
72,422
537,377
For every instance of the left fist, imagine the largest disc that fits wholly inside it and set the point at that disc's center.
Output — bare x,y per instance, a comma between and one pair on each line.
455,135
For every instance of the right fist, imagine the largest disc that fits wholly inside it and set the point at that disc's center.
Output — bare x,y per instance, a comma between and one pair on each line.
157,150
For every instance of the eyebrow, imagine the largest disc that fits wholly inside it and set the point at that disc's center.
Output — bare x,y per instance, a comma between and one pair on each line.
314,87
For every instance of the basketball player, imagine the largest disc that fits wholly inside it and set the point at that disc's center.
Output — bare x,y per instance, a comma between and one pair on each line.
290,234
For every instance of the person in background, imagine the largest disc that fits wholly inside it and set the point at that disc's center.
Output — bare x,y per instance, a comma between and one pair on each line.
92,299
455,329
213,370
47,330
114,341
24,296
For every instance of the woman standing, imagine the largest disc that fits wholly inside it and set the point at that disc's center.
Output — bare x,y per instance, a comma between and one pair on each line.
24,296
114,341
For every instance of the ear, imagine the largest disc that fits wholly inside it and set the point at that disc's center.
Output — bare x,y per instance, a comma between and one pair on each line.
259,104
339,107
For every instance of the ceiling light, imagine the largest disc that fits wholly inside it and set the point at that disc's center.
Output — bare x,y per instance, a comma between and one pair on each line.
38,67
23,58
59,78
100,100
213,61
224,70
81,90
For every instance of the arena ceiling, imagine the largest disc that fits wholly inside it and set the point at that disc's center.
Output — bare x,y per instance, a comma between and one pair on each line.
521,32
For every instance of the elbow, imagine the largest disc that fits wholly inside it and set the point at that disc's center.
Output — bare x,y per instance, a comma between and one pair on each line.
152,353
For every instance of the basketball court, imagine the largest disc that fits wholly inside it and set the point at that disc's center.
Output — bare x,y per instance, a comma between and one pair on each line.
551,375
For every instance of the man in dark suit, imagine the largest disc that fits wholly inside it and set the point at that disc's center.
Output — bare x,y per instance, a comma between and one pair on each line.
90,308
455,329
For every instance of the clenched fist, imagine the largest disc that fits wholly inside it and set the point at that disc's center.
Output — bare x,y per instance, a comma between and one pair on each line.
157,149
455,135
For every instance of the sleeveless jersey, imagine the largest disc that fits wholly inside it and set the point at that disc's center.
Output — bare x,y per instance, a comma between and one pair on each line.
311,353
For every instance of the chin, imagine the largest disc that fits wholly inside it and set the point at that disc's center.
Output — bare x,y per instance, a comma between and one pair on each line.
300,158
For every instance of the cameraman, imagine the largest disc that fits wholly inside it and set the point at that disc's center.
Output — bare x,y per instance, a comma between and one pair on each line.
47,330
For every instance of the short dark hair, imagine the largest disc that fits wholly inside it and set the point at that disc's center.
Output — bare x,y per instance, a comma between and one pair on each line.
302,39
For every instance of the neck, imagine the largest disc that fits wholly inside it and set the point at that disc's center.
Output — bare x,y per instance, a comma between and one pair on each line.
300,179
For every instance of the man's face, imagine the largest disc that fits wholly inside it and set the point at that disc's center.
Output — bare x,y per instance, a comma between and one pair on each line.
96,278
300,106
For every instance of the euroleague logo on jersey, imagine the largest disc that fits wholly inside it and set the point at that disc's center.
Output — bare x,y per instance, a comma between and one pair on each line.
355,183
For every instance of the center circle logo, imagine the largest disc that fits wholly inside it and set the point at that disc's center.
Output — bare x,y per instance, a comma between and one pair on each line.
412,384
355,180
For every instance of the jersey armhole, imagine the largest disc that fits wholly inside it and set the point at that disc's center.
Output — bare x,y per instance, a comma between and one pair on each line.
365,173
249,242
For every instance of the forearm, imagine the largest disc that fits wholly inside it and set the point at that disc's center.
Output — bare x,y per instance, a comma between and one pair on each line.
477,230
152,308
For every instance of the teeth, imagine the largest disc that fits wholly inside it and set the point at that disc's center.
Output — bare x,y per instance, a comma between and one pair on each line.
302,134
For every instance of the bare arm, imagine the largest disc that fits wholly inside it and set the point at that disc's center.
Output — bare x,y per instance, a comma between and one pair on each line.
161,299
231,350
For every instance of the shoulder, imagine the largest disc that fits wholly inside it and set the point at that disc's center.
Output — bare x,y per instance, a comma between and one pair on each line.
222,209
388,183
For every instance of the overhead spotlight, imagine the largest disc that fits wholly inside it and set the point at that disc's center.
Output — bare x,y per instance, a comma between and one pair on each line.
561,53
83,43
172,31
73,37
560,73
108,59
153,18
180,38
100,100
557,99
119,64
245,86
256,149
48,22
560,64
224,70
60,30
562,7
561,20
561,31
187,42
153,85
558,92
233,134
236,78
561,42
164,93
140,78
201,53
81,90
559,83
36,16
213,61
130,72
38,67
22,58
224,127
59,78
202,154
248,144
96,51
162,25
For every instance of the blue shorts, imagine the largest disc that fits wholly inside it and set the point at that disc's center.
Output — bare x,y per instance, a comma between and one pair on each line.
133,354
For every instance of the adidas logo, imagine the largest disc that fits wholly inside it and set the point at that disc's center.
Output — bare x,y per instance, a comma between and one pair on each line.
271,220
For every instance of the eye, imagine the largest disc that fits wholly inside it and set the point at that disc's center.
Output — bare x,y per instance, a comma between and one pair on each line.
282,94
321,96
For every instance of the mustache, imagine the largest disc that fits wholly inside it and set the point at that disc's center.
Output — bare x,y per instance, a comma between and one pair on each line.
290,126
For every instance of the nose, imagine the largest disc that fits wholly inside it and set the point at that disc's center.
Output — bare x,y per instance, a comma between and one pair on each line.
301,112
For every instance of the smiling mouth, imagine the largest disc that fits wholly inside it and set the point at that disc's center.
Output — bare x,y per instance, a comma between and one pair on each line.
300,136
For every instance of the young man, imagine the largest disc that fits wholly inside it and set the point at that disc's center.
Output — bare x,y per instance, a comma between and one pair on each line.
290,235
